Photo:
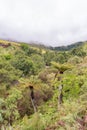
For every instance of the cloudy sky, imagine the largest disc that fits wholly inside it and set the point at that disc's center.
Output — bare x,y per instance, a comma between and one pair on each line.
52,22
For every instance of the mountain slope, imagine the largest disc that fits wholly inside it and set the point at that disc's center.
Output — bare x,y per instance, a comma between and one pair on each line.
68,47
42,89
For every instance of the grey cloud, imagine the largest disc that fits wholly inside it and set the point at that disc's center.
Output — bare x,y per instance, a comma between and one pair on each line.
52,22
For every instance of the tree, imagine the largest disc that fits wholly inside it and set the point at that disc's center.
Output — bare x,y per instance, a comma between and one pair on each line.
49,57
23,63
75,60
38,62
8,107
27,49
61,67
78,51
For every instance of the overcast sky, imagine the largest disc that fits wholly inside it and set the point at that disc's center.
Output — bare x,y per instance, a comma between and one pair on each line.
52,22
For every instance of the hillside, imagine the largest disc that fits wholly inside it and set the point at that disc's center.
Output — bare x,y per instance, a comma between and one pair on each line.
68,47
43,89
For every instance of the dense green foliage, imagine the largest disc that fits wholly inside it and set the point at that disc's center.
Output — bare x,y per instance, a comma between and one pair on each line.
68,47
23,65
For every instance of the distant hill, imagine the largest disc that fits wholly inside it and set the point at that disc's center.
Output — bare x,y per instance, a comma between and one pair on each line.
42,46
68,47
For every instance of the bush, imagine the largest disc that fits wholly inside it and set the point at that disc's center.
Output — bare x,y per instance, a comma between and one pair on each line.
24,64
36,122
